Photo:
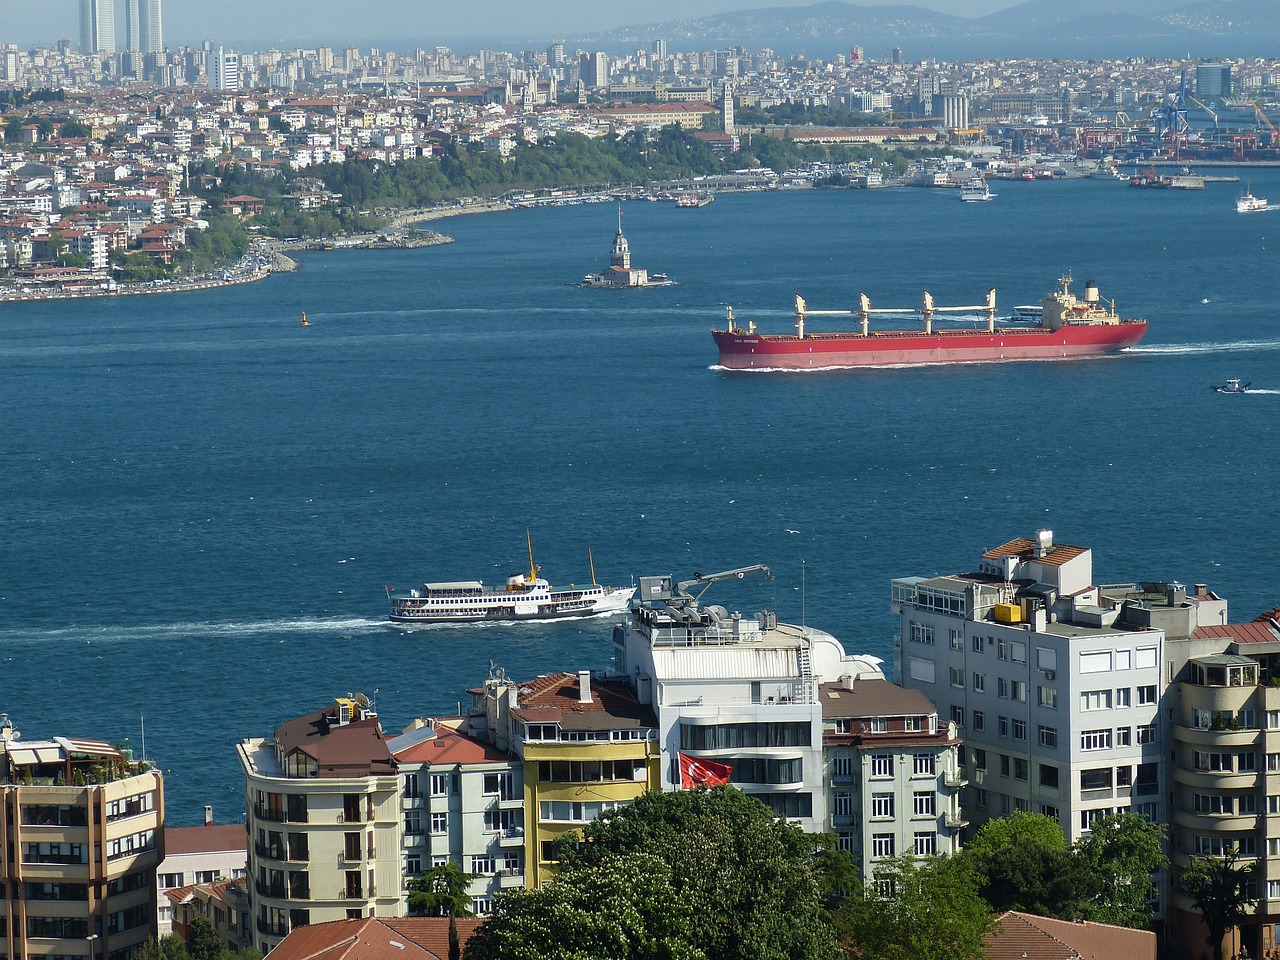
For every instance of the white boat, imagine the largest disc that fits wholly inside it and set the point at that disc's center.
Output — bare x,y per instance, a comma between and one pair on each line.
975,189
523,597
1232,386
1248,203
1028,313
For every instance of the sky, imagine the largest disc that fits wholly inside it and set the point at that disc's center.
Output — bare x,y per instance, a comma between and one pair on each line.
391,23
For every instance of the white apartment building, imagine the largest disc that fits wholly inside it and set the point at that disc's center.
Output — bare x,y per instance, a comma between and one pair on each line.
322,800
1057,702
736,690
463,802
892,770
196,855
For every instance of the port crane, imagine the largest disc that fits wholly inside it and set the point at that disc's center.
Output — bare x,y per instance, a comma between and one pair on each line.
1171,119
1262,115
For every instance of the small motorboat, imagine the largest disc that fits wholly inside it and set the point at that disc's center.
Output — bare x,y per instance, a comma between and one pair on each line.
1232,386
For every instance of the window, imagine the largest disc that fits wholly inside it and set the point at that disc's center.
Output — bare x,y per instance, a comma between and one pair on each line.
1048,776
1002,688
1018,651
167,881
926,844
957,677
979,759
1048,697
1147,734
410,784
882,844
913,724
1096,778
413,821
979,683
413,864
924,765
482,906
439,784
881,765
980,798
979,720
955,639
1004,765
1049,737
1124,697
924,804
1002,648
1124,736
1273,765
882,805
957,715
1147,695
1020,768
1095,700
1019,729
977,644
879,725
1213,761
1247,761
1095,740
922,633
498,784
1003,726
842,804
1018,691
439,822
842,766
482,864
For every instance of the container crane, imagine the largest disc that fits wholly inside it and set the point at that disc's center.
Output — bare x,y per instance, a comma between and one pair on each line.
1271,127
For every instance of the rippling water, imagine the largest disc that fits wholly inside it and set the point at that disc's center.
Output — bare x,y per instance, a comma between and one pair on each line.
204,502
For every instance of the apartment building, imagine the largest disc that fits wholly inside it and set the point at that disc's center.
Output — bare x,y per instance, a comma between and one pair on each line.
198,855
892,770
83,824
463,802
586,744
1057,700
322,800
736,690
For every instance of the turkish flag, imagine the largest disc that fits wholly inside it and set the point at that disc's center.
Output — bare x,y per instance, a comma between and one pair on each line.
696,772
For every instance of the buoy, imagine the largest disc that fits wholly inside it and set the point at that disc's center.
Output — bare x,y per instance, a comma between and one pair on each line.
305,322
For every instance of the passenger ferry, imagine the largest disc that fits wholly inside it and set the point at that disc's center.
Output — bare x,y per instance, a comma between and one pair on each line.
975,189
523,597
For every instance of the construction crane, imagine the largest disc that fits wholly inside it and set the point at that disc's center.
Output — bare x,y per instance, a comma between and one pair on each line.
705,580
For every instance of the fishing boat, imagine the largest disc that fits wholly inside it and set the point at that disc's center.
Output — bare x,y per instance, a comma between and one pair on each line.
522,597
1232,386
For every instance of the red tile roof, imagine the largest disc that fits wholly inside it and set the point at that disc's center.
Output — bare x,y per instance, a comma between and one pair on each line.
450,746
217,838
374,938
1258,631
1059,553
1019,935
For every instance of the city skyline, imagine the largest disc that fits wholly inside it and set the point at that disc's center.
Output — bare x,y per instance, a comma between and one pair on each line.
292,22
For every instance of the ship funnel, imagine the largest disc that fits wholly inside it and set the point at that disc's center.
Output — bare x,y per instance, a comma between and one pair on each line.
1090,292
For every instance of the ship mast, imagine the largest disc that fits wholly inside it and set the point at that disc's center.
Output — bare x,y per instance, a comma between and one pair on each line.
533,570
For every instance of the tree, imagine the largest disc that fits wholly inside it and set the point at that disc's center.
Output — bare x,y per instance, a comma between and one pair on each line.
1220,889
1023,863
929,909
442,891
1122,852
749,877
203,942
624,906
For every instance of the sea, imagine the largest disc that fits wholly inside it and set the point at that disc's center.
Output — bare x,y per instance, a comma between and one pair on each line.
204,502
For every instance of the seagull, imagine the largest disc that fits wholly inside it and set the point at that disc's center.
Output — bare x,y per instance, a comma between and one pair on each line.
790,531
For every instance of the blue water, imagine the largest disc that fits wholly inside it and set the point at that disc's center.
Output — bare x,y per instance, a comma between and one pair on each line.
204,502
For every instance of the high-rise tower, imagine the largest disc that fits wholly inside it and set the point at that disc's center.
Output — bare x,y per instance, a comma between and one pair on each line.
97,26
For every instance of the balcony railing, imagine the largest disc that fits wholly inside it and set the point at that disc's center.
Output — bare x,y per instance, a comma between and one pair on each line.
271,851
273,929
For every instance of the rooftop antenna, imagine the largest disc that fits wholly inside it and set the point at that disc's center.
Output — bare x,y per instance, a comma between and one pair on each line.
802,586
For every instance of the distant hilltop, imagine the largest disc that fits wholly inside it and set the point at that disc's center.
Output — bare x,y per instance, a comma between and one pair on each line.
835,20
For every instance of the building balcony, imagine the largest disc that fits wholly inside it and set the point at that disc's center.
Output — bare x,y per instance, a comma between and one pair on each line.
954,779
410,840
953,821
510,878
510,803
276,891
511,838
273,929
269,851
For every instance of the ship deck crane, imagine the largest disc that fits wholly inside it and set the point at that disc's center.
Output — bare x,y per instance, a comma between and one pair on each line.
864,311
989,308
705,580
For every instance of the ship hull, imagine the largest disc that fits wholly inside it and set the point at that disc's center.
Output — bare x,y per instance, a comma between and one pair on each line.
755,351
558,606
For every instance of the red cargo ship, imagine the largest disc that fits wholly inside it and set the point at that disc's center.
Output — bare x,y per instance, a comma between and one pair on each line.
1068,327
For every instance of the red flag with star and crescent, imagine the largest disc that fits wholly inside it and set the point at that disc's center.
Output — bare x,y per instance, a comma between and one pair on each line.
696,772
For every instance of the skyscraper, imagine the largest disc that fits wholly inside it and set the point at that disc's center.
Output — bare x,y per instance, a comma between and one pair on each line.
224,70
97,26
150,32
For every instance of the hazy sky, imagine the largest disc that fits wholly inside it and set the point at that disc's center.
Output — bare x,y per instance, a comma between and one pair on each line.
406,23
